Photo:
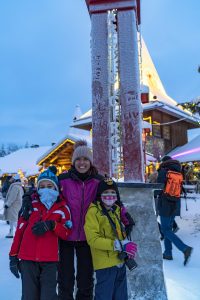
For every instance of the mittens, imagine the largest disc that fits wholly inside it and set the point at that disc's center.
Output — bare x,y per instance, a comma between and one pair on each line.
41,227
14,266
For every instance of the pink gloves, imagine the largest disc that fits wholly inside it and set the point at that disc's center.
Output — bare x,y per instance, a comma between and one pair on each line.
126,246
130,248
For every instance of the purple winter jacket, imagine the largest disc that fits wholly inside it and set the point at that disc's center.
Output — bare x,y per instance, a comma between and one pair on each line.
78,194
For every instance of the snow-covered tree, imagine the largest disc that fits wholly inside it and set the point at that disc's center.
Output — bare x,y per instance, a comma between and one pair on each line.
193,105
12,148
2,151
26,145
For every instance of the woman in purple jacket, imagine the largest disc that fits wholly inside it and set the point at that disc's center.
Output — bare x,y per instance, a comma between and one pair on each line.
79,187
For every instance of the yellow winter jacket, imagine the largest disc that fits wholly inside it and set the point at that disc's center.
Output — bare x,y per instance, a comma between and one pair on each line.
100,236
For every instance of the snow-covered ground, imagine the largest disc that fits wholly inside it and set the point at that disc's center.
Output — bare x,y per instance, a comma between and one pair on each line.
182,282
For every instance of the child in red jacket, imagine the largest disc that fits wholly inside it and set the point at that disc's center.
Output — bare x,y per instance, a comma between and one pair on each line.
34,252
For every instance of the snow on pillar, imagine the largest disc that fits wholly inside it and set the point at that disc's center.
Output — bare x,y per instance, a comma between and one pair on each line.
131,109
100,105
117,141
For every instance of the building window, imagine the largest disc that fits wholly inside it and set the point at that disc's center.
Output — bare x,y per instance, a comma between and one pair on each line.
166,132
156,130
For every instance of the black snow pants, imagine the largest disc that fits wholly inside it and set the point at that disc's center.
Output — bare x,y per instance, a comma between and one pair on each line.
39,280
66,271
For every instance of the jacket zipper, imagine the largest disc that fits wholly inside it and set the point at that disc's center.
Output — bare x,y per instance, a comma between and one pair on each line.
81,214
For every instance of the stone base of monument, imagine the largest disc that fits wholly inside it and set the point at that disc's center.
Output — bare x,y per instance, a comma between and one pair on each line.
146,282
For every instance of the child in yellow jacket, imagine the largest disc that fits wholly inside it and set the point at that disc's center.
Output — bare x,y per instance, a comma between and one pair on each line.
110,248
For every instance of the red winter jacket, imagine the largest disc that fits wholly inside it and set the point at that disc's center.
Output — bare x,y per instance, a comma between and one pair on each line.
28,246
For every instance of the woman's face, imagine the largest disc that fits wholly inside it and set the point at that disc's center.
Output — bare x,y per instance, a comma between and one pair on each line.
46,184
82,165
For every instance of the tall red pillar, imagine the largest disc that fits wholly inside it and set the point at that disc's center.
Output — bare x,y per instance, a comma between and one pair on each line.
128,16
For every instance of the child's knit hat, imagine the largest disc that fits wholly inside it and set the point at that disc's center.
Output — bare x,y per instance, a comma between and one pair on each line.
106,184
49,174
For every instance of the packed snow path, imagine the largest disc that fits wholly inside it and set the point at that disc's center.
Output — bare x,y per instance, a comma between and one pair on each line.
182,282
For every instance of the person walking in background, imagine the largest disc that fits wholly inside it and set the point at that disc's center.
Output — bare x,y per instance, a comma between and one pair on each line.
170,174
6,186
4,191
153,179
13,203
111,250
34,252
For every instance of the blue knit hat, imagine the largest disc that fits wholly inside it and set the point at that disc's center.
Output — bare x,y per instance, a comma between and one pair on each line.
49,174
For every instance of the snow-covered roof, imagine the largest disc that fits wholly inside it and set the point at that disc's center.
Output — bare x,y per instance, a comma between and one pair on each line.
86,115
188,152
193,133
150,159
22,159
73,135
159,105
171,109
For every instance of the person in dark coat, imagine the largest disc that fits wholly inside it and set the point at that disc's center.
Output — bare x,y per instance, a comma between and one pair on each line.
167,209
6,186
4,191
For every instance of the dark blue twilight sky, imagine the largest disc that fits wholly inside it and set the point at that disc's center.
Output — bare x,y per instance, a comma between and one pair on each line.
45,61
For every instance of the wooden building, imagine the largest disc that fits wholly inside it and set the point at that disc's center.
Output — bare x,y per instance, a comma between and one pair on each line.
60,154
169,126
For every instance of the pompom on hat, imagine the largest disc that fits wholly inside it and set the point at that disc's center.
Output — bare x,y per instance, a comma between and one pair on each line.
49,174
81,149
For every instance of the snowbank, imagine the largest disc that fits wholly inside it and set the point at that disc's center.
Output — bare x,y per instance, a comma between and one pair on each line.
182,282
